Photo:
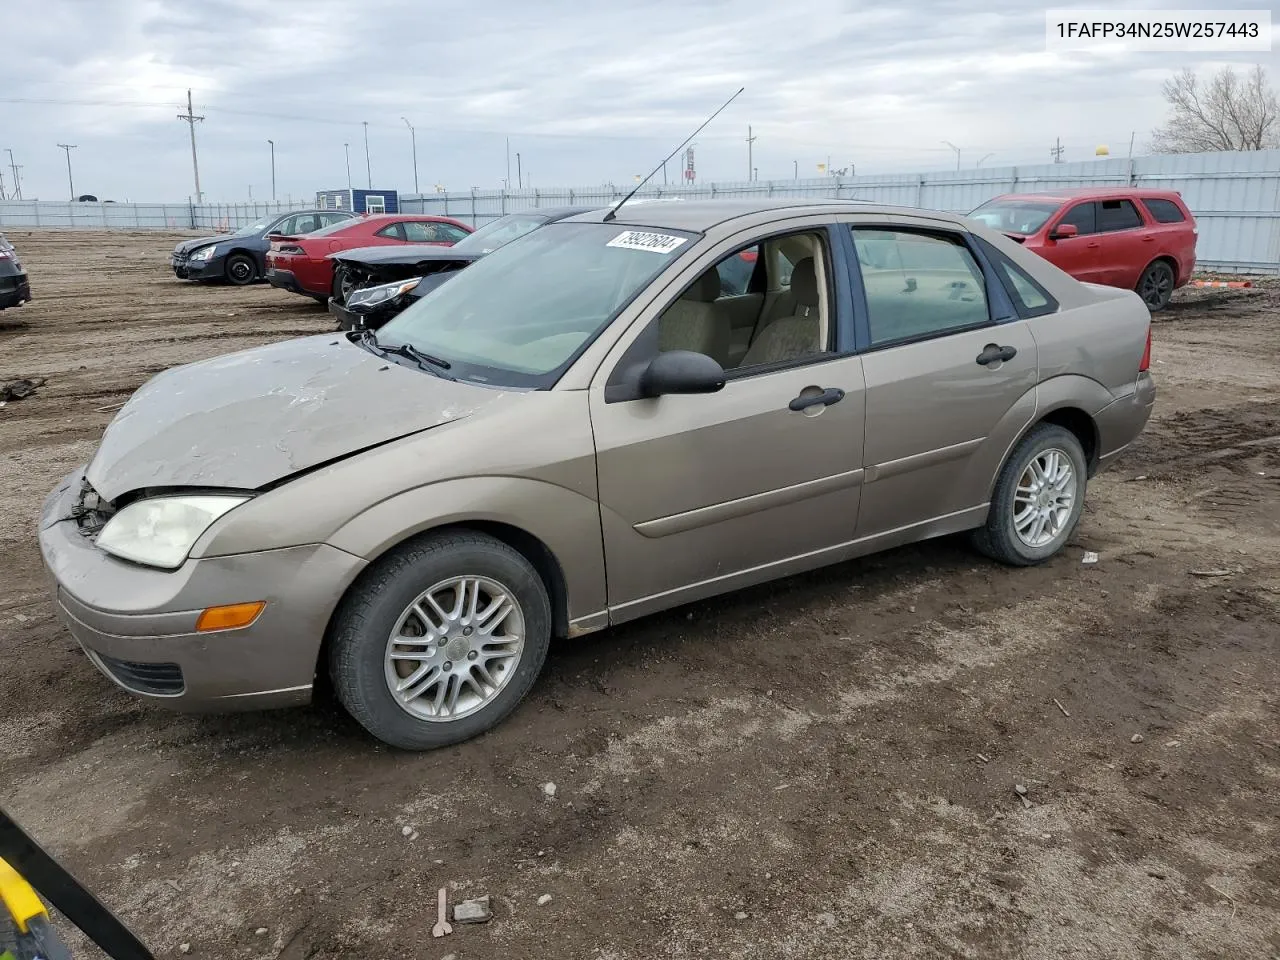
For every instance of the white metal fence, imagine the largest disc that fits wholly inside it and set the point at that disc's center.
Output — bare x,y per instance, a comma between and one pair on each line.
215,217
1234,196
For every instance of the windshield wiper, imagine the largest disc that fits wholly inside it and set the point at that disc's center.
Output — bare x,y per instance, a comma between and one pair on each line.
408,351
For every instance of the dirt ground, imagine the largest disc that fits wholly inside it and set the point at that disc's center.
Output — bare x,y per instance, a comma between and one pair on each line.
823,767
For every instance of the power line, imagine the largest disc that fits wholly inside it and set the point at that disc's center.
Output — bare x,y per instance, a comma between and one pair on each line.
191,120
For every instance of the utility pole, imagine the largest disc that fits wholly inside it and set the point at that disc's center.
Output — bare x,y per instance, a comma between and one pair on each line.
346,148
67,148
191,118
795,169
508,141
519,175
956,149
368,168
273,170
414,137
17,180
1056,150
1131,136
664,173
750,162
2,196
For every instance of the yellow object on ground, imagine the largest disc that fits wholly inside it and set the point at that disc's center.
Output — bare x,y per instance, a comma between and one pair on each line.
19,899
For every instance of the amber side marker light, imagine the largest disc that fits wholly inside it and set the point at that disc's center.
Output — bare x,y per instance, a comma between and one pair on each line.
229,617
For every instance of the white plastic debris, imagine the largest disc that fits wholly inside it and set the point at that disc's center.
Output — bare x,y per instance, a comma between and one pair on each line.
1089,557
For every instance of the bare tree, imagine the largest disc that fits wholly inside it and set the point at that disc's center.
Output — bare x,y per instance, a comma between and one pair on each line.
1230,112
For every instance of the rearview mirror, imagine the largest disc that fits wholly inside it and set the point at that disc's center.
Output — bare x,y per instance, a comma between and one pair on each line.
1064,231
681,371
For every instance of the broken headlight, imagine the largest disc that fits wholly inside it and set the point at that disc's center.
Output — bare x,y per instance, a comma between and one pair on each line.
384,293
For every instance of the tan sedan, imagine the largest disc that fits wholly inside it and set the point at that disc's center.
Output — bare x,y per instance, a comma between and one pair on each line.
607,417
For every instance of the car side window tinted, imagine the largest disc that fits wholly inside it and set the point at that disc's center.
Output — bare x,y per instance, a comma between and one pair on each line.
1164,211
452,232
394,231
1082,217
1117,215
1029,298
918,284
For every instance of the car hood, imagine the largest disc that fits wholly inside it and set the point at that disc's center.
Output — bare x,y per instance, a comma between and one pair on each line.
404,253
250,419
186,246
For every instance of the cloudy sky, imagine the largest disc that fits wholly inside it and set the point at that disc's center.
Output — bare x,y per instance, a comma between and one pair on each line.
586,93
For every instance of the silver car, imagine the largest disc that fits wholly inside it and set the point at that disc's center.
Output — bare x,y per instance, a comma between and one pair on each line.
587,426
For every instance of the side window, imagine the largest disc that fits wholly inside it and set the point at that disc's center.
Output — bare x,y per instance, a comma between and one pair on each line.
1117,215
393,231
1082,215
1164,211
735,271
918,284
702,319
305,223
1029,298
329,219
284,227
416,231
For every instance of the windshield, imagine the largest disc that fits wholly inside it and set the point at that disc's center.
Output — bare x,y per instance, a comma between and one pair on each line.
255,227
1015,216
518,316
500,232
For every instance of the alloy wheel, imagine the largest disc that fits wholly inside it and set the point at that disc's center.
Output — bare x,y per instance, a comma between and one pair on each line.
1044,498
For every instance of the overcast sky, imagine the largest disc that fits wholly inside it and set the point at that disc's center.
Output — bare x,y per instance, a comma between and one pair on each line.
588,93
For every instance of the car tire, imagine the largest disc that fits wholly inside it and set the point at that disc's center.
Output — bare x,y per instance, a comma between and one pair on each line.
392,650
241,270
1046,467
1156,285
342,285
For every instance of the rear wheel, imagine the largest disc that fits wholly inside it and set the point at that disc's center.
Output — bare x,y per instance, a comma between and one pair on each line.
1038,498
241,269
441,640
1156,286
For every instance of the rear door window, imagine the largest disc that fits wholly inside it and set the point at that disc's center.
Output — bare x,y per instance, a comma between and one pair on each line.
1164,211
1029,298
1117,215
1083,217
392,231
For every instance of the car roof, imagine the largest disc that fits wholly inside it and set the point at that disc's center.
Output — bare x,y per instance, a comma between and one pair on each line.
700,215
557,213
290,213
1079,193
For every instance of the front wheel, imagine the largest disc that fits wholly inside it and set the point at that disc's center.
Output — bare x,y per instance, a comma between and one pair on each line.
1038,498
241,269
1156,286
440,640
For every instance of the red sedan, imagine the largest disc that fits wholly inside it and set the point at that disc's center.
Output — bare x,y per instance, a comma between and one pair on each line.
302,264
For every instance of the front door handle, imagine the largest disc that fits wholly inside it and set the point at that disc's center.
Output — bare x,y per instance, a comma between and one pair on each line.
1148,239
1093,246
993,352
825,398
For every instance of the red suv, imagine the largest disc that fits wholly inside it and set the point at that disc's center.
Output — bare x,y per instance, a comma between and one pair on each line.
1142,240
301,264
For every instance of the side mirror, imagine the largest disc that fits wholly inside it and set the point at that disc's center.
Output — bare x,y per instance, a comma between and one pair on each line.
681,371
1064,231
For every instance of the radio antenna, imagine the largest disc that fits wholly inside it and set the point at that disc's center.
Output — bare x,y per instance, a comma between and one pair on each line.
613,213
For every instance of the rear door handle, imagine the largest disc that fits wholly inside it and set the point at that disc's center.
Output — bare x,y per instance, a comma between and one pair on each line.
993,352
1148,239
826,398
1093,246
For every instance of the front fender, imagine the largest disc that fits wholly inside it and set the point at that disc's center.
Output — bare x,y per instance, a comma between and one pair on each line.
566,522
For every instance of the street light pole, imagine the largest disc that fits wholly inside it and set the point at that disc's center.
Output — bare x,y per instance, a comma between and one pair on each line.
68,147
414,137
987,157
273,170
368,168
346,148
519,175
956,149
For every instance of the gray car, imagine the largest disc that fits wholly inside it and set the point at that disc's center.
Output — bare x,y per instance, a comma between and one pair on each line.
582,428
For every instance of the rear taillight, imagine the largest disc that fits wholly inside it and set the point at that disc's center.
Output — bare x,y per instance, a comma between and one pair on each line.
1145,365
5,255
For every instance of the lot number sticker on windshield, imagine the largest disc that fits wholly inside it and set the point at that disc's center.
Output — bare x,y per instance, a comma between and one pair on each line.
639,240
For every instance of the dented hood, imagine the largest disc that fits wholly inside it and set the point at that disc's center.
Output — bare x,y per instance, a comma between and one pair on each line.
249,419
